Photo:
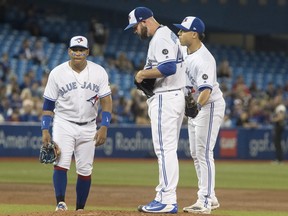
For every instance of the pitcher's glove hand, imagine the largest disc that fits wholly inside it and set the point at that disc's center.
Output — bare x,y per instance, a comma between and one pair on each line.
49,153
147,86
191,107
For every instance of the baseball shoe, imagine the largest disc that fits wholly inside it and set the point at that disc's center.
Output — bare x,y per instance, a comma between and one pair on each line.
61,207
157,207
197,208
215,205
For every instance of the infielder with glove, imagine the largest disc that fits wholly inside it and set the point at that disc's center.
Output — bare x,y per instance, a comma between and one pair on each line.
71,96
204,118
163,77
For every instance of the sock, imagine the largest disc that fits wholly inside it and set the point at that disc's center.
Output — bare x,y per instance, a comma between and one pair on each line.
60,183
82,190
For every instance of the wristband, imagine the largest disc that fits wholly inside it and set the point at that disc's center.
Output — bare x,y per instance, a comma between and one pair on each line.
106,118
45,123
199,106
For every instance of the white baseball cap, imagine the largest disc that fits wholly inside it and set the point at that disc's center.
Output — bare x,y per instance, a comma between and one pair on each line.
78,41
137,15
191,23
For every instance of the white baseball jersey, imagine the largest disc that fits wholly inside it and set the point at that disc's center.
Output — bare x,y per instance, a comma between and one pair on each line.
201,73
165,47
166,111
203,129
77,94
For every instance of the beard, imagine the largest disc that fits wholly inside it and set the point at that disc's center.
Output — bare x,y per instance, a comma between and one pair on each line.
144,33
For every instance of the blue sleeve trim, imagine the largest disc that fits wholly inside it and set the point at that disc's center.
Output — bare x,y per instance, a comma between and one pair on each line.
202,88
102,96
168,68
48,105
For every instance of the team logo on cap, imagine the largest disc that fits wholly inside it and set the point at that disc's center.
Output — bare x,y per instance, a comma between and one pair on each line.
79,40
165,51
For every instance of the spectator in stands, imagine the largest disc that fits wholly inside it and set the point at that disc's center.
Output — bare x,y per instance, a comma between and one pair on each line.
27,113
123,63
5,107
15,99
244,121
38,53
224,69
227,122
279,121
5,67
120,112
14,116
139,107
241,91
28,80
270,90
25,51
98,36
255,92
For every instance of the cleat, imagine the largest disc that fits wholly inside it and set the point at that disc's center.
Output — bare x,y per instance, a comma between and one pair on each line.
61,207
215,205
198,208
157,207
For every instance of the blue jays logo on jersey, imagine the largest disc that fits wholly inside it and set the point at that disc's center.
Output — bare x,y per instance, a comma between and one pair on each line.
93,99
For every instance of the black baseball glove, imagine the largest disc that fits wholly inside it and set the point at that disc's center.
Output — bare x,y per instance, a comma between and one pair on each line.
49,153
191,107
147,86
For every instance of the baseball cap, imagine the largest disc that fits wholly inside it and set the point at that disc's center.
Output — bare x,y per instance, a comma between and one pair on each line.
137,15
78,41
191,23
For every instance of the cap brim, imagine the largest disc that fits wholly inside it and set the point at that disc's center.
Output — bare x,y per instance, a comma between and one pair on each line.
78,46
181,27
130,26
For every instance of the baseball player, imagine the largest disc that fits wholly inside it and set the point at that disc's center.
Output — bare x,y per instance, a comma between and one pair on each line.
72,95
278,119
203,129
166,107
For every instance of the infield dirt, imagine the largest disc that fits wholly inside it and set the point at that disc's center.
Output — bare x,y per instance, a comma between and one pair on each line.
130,197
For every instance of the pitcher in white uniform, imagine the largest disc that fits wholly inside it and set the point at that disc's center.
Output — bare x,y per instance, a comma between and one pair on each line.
166,108
204,128
71,96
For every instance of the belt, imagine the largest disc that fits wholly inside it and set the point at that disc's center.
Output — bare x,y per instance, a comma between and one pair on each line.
167,91
82,123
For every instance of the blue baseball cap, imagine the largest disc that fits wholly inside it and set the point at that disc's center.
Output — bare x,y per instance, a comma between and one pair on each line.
191,23
137,15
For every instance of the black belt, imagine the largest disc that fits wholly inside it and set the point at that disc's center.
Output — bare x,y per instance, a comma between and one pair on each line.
82,123
167,91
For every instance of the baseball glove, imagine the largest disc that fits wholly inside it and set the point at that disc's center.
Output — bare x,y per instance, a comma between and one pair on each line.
191,108
49,153
147,86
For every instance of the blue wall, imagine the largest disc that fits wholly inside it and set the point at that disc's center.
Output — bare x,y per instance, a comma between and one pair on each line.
135,142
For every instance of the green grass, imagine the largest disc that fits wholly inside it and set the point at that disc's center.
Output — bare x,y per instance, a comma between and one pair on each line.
138,173
229,174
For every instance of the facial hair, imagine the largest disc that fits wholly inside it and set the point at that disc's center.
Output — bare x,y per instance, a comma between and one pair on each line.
144,33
